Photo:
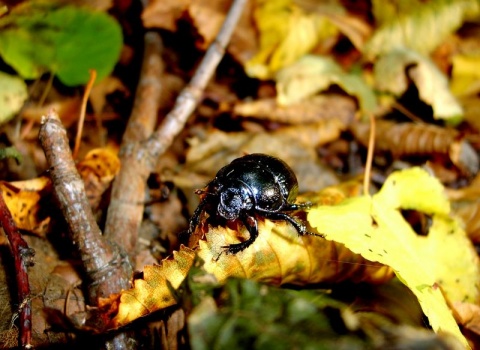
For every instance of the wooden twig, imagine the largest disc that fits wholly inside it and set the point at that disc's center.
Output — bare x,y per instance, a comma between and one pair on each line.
191,95
23,257
139,158
101,259
125,211
105,264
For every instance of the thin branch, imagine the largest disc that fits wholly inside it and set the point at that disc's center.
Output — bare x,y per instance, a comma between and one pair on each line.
125,211
138,158
369,161
23,257
106,265
191,95
102,260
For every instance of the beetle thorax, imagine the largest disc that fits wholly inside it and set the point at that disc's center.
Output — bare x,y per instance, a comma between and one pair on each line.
234,200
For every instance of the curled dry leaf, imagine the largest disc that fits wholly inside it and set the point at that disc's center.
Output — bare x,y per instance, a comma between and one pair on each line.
314,109
23,200
154,291
405,139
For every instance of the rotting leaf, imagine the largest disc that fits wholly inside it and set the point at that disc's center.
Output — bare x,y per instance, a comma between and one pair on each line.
68,41
374,227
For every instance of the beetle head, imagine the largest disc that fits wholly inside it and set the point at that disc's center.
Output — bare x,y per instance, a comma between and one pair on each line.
233,200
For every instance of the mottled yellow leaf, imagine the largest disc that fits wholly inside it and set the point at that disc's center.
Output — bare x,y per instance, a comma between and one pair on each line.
155,290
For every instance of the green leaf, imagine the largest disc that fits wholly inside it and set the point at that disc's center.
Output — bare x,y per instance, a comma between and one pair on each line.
391,75
13,93
312,74
68,41
421,29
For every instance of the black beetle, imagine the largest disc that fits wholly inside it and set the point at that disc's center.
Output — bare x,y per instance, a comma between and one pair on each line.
256,184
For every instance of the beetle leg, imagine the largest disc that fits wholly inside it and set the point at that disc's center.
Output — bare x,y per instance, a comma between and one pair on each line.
250,222
194,220
296,206
300,227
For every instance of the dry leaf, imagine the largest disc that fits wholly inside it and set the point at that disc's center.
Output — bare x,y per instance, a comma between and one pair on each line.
164,14
404,139
314,109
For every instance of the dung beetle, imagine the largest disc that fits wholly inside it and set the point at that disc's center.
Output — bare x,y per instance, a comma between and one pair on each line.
250,186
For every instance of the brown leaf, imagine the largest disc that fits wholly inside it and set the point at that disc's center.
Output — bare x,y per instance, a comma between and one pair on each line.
468,315
164,14
208,17
322,107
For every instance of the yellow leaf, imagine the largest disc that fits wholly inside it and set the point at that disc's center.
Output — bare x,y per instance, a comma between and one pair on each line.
23,199
286,33
394,70
465,75
311,74
375,228
422,28
280,256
